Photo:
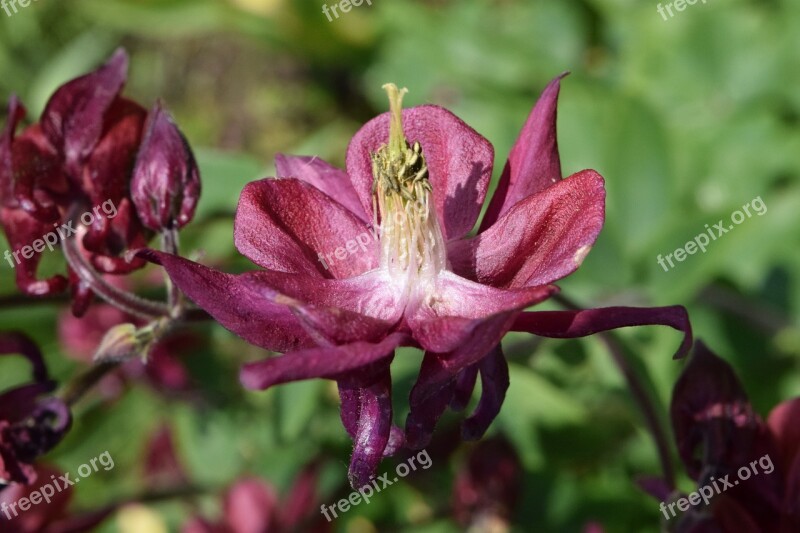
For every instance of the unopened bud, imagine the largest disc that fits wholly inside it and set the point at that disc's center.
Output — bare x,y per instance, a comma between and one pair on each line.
126,341
166,182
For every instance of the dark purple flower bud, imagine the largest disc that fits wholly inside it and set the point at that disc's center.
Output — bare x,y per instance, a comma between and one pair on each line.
166,183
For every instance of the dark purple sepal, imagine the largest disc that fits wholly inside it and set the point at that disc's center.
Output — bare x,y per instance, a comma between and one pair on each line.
585,322
74,117
533,164
428,400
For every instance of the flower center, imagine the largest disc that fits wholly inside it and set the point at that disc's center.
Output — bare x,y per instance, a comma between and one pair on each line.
411,240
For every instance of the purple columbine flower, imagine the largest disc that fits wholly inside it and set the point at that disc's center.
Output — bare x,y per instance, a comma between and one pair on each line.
29,425
414,277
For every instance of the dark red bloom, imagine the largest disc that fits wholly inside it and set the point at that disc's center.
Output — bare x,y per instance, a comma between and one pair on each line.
339,296
718,433
29,425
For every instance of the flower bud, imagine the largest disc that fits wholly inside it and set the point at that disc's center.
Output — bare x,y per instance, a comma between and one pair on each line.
166,182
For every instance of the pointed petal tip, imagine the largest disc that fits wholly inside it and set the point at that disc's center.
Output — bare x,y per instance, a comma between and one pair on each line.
251,379
119,60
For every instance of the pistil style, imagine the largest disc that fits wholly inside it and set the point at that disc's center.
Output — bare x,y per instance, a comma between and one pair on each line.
411,240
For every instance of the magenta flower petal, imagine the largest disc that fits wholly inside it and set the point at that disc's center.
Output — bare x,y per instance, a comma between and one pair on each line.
459,162
494,384
235,303
462,306
301,308
438,381
541,239
287,224
534,164
332,181
332,311
584,322
73,119
329,362
37,517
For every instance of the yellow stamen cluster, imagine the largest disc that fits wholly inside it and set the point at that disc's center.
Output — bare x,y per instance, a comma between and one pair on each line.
410,236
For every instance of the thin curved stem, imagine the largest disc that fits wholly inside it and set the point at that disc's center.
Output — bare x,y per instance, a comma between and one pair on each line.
123,300
169,244
640,395
79,386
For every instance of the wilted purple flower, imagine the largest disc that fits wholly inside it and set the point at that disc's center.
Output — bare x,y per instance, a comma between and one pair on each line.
166,183
79,157
29,426
718,433
339,301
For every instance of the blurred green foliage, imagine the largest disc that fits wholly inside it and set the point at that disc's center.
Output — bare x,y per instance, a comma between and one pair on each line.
688,120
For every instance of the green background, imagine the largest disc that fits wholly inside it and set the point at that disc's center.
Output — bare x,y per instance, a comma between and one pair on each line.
688,120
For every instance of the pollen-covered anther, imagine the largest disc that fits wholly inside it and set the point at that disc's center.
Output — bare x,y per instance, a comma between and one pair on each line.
411,240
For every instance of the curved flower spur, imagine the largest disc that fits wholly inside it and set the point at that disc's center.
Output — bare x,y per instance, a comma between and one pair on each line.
421,176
